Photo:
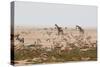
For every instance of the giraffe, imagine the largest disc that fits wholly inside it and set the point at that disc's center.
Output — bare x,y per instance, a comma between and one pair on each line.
81,32
59,29
80,29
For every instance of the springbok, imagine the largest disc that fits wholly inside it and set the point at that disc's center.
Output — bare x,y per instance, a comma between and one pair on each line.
19,39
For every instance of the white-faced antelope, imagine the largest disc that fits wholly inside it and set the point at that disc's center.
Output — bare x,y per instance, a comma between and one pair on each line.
19,39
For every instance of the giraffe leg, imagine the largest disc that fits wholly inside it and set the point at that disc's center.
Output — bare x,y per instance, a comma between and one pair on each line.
62,32
58,32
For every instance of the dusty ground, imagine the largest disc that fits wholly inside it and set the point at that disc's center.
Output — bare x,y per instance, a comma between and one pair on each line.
33,34
48,38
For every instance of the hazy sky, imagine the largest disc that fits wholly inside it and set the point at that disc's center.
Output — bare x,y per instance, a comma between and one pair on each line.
48,14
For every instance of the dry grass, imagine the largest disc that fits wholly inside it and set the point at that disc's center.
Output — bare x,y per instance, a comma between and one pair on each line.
43,45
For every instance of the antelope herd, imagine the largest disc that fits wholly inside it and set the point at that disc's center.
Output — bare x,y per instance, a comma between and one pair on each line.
55,35
57,40
59,30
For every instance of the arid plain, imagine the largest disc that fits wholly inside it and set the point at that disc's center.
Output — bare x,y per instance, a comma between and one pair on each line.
45,45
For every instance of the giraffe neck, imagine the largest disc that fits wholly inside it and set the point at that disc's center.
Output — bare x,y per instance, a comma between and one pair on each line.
57,26
78,27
